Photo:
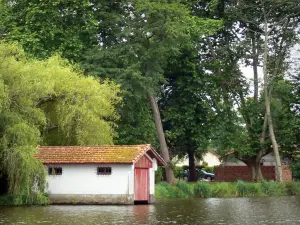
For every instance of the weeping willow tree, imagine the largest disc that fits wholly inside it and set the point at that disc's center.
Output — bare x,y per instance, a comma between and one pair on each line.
47,102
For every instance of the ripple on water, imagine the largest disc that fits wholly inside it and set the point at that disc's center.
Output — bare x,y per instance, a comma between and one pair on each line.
262,211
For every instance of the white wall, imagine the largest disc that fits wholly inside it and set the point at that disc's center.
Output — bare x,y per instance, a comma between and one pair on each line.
152,180
83,179
211,159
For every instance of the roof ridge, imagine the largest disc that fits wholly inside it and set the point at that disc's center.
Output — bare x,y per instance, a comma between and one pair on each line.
93,154
91,146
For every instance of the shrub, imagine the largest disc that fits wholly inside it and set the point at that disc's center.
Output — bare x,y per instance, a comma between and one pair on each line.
242,188
292,188
161,191
271,188
209,169
6,200
295,167
178,170
202,189
226,189
223,190
159,174
33,199
164,190
185,189
254,190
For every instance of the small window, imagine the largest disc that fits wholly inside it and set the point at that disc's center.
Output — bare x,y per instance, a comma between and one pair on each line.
54,171
103,170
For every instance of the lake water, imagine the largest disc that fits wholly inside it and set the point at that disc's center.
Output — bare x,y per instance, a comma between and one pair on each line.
279,210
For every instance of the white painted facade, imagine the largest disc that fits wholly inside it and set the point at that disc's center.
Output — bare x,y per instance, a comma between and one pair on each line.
82,179
210,158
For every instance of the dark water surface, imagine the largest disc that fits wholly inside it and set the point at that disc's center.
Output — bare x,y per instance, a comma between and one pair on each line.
279,210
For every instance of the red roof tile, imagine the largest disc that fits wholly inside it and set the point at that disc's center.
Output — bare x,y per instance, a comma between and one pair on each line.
114,154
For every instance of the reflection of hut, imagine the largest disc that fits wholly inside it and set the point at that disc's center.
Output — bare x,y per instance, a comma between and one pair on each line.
141,214
100,175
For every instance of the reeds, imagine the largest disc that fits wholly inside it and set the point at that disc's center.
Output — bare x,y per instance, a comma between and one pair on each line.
226,189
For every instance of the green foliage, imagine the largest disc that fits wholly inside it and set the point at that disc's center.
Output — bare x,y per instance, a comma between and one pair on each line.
242,188
71,32
209,169
138,57
295,167
271,188
254,190
159,174
47,102
185,189
293,188
226,189
223,190
136,125
178,171
266,188
164,190
16,200
189,91
202,189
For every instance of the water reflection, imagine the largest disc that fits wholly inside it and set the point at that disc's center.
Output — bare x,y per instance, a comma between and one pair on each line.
282,210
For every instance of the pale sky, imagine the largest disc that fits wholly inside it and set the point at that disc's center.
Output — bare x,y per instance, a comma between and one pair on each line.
294,59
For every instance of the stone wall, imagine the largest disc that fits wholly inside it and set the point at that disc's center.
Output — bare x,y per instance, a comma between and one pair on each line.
91,199
234,173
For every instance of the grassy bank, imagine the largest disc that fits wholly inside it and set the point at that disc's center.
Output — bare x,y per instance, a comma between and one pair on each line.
225,189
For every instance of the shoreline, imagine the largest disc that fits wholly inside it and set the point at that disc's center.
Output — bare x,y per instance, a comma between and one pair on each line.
239,189
185,190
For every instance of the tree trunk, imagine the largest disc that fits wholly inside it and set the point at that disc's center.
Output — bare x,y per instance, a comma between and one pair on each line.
162,140
278,170
258,173
252,169
192,167
254,166
254,65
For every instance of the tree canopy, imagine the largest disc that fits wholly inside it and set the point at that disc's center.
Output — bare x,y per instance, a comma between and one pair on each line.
48,102
185,55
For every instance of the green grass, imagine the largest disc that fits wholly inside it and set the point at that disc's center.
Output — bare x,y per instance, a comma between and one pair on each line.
225,189
202,189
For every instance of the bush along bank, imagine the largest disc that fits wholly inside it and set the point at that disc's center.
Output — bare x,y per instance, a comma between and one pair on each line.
225,189
24,200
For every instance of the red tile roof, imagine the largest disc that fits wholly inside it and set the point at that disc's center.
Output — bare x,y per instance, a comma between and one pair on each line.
114,154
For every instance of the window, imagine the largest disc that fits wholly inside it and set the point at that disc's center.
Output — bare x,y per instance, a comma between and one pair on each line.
103,170
54,171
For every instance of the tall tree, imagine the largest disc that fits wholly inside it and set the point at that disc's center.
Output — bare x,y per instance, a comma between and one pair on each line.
40,100
255,45
77,26
187,108
277,24
155,32
44,28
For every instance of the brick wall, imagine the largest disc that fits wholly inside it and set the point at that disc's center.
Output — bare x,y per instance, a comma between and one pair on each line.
233,173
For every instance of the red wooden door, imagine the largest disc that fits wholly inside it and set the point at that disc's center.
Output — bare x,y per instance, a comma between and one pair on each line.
141,184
